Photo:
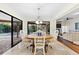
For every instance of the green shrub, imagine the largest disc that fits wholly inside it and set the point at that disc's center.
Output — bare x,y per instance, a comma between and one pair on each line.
5,28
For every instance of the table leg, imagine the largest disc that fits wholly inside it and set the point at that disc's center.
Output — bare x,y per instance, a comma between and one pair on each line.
46,46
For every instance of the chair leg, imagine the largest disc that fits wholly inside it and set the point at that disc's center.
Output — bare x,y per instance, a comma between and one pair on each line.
35,51
43,51
46,48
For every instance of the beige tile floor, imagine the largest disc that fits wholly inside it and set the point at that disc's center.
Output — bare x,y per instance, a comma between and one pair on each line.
57,49
60,49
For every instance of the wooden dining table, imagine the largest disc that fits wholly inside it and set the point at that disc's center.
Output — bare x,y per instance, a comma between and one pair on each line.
47,38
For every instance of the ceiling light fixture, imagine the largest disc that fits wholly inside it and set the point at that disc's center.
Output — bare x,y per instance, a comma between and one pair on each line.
40,22
38,18
37,22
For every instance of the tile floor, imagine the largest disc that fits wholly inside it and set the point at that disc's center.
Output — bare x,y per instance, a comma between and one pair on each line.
57,49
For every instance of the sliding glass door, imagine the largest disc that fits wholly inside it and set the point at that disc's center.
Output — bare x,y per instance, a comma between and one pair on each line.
10,28
16,31
5,32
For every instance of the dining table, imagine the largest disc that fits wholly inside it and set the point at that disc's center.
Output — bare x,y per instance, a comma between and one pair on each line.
47,37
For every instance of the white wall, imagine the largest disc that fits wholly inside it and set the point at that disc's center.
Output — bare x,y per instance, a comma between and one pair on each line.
72,24
65,25
53,28
69,25
24,28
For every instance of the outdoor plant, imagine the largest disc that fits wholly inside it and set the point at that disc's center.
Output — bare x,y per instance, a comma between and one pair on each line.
5,28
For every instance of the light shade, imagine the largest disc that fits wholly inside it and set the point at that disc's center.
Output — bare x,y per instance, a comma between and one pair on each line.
41,22
37,22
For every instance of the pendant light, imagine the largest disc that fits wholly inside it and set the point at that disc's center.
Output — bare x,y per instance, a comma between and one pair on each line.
38,17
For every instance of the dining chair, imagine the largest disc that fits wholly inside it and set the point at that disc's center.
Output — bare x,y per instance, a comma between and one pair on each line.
51,42
28,43
39,43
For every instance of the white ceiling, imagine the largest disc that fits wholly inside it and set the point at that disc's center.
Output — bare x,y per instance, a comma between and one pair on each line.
72,15
47,10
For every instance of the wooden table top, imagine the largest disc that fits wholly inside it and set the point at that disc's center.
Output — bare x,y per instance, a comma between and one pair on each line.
33,37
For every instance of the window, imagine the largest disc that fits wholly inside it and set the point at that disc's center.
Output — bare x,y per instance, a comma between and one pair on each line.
77,26
33,27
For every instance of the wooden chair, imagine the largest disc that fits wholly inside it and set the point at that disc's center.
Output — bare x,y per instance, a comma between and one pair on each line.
27,43
39,43
51,42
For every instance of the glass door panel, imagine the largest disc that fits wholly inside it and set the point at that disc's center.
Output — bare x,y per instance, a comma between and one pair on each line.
16,31
5,32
